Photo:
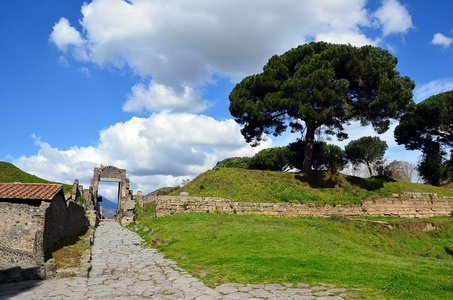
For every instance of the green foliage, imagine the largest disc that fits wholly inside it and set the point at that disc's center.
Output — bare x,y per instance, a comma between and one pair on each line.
321,84
397,262
428,127
429,122
368,150
272,159
80,200
234,162
433,167
326,157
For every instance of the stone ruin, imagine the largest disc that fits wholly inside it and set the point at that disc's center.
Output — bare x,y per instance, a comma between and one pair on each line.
126,203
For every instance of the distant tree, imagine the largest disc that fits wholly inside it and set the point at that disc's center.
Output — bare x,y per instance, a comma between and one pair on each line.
321,85
234,162
428,127
367,150
401,170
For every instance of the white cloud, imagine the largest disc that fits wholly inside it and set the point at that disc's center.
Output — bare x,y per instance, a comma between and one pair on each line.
157,97
185,42
442,40
67,38
432,88
393,17
181,44
85,71
352,37
156,151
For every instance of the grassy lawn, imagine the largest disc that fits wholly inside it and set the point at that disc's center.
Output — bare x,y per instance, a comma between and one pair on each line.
318,187
384,262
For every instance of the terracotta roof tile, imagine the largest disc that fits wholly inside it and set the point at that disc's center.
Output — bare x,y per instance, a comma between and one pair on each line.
41,191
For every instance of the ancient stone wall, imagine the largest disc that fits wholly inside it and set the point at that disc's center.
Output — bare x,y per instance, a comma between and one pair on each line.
27,231
19,223
407,205
76,219
55,222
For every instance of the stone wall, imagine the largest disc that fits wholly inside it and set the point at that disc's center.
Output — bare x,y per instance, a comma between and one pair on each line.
27,231
407,205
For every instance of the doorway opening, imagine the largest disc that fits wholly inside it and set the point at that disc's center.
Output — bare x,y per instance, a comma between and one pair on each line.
109,193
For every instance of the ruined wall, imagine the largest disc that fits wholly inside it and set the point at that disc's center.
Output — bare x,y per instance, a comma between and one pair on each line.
19,224
55,222
76,219
27,231
407,205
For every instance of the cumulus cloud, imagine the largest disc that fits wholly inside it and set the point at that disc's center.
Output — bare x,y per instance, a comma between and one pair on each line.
393,17
157,97
434,87
442,40
67,38
156,151
182,44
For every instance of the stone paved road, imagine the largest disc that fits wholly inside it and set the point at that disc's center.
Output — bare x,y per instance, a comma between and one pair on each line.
122,269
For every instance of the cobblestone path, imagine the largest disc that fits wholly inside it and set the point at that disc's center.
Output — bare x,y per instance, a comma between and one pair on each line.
123,269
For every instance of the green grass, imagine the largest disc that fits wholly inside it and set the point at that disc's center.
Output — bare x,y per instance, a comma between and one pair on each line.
314,187
10,173
385,263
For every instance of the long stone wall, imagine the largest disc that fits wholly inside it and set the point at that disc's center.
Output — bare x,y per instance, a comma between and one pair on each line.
407,205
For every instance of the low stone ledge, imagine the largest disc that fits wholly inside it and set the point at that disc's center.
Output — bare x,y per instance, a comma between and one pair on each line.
409,205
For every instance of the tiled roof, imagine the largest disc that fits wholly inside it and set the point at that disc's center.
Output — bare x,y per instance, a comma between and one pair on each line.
40,191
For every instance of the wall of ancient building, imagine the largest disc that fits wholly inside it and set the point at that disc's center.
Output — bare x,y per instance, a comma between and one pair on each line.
19,223
407,205
28,231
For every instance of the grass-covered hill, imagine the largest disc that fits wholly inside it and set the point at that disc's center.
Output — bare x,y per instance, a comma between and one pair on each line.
318,187
11,173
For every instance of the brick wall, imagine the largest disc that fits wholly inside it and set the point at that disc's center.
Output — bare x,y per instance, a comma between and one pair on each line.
408,205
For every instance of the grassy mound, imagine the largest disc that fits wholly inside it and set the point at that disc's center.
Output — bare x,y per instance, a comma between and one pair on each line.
318,187
385,261
11,173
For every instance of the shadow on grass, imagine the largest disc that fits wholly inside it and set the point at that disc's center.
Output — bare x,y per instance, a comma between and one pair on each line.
449,251
319,179
323,179
369,184
70,240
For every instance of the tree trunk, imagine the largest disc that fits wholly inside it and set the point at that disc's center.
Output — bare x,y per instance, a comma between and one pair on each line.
369,169
308,153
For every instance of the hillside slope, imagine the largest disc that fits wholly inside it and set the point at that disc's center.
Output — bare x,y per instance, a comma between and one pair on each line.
314,187
11,173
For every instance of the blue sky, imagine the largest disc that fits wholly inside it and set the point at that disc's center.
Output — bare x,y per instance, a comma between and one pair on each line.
144,84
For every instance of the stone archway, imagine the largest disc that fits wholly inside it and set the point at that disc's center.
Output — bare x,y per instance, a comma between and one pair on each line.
126,204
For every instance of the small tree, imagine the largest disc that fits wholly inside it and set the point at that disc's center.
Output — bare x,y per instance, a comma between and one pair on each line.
368,150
